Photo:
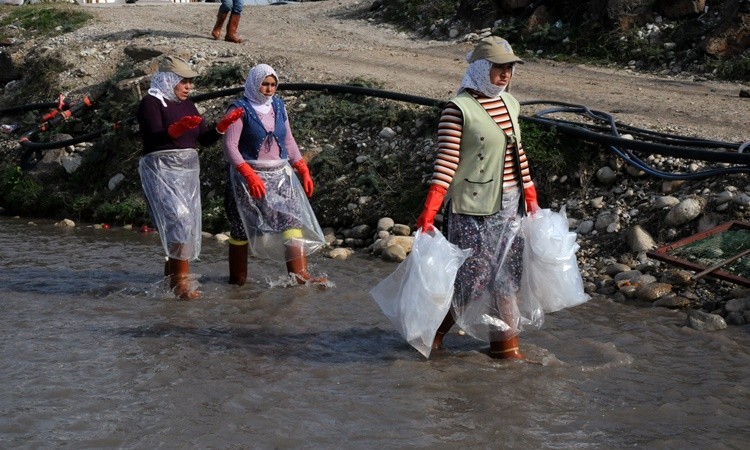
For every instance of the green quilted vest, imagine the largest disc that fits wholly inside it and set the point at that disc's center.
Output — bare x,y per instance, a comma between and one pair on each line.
477,187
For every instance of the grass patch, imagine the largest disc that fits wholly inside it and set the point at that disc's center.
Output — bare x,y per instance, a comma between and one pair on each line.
45,19
129,208
19,190
414,14
222,76
737,69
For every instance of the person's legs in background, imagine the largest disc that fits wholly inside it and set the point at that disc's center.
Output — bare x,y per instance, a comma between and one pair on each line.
224,9
234,22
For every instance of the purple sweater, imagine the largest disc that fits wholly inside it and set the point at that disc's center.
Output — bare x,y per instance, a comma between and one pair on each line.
154,119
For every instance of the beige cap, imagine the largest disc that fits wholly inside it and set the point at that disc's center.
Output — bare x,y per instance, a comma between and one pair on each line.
494,49
177,65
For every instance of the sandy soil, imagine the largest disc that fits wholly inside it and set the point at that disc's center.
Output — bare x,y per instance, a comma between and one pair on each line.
332,41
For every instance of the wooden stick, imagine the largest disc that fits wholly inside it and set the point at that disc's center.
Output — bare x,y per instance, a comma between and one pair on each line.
721,263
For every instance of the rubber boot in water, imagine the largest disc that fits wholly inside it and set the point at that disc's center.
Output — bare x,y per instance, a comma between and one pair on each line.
237,264
296,264
220,18
232,25
179,279
505,349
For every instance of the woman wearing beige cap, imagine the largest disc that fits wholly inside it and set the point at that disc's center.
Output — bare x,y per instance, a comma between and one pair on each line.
482,176
172,130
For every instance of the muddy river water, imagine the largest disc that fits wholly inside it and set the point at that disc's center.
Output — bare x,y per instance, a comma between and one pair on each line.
96,354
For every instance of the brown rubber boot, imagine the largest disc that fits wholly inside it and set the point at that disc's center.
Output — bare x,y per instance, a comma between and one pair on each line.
234,22
505,349
442,330
179,280
296,264
237,264
220,18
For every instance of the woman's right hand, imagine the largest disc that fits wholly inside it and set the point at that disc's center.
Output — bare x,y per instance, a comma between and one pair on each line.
179,128
254,184
432,205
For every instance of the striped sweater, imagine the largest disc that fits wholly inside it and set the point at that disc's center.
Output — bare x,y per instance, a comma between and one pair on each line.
449,145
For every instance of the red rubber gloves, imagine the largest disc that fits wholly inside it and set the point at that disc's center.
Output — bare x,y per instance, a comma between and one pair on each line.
229,119
532,206
179,128
307,182
432,205
254,184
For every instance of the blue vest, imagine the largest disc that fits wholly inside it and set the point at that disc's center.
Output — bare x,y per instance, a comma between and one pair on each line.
253,132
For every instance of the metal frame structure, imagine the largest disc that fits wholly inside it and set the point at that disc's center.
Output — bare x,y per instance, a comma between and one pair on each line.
662,253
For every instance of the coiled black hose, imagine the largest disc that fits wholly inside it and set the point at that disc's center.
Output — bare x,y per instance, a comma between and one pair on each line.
652,143
604,130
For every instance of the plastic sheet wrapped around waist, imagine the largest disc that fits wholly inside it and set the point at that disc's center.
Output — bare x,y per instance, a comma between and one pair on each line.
171,183
284,214
485,301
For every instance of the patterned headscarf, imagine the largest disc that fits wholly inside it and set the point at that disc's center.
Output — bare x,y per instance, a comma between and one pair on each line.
477,77
162,86
255,78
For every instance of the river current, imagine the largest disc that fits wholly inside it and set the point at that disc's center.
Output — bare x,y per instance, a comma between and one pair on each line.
97,354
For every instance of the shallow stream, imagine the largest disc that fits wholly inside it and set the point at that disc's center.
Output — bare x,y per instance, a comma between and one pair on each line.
96,354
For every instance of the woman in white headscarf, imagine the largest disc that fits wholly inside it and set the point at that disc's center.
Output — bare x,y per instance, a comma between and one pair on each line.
482,176
266,205
172,130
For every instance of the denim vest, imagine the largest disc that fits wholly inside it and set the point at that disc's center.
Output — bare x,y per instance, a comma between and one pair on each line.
477,187
254,134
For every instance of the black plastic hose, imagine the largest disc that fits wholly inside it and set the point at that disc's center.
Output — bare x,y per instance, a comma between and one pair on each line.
665,144
605,130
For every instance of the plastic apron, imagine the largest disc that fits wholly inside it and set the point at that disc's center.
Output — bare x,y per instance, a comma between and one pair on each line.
283,215
171,183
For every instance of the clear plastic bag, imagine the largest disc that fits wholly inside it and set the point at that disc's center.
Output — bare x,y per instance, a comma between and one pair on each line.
550,269
416,297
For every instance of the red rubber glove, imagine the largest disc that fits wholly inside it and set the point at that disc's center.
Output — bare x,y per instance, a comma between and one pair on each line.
254,183
432,205
532,206
179,128
307,182
230,118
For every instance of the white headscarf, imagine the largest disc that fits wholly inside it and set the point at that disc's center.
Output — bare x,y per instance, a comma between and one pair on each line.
477,77
162,86
254,80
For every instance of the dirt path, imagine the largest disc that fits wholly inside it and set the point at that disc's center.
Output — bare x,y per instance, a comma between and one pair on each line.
329,41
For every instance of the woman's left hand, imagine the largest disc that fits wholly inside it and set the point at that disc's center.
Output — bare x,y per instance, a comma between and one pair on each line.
304,173
230,118
532,206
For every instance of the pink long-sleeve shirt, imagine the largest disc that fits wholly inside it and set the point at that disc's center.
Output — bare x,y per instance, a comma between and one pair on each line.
232,139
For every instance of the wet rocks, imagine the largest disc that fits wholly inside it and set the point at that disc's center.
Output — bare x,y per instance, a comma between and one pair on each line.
703,321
